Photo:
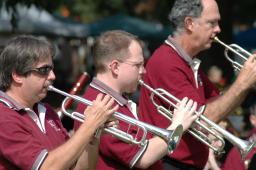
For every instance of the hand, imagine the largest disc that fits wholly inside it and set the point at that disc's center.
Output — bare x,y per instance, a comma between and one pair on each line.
247,75
100,111
212,163
185,113
112,122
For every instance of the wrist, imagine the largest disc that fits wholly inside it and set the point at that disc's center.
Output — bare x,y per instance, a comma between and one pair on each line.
173,126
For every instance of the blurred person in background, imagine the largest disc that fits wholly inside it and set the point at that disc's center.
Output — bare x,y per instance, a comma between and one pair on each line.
234,160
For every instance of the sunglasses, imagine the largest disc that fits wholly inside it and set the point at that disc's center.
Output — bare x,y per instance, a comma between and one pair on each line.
44,70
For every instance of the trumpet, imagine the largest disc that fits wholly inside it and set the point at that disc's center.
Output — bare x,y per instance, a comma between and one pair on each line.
172,137
202,127
235,49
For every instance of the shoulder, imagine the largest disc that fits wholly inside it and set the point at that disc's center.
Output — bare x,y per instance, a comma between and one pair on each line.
7,113
165,56
90,93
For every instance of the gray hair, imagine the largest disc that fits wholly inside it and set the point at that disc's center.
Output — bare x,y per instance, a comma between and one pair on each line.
20,55
182,9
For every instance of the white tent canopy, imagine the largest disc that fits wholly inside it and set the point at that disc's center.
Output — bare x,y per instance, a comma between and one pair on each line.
37,21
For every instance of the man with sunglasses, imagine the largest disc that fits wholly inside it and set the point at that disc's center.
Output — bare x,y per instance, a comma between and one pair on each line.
31,135
119,63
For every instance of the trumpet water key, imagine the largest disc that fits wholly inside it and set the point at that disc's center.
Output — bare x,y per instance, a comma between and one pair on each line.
172,137
202,127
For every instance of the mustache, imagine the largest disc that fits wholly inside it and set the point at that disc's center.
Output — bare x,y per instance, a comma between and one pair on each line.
49,84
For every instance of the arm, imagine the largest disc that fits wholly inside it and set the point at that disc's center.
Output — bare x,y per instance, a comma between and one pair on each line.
89,157
220,106
67,154
157,147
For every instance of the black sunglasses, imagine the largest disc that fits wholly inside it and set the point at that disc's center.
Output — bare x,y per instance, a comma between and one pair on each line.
44,70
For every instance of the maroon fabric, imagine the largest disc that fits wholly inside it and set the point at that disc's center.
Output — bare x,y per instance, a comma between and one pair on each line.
165,69
113,153
234,160
21,140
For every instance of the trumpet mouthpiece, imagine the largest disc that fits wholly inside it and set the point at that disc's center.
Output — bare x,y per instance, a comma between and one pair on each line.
216,39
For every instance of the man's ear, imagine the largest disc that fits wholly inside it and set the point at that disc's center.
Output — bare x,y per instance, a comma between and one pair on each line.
114,66
189,23
16,77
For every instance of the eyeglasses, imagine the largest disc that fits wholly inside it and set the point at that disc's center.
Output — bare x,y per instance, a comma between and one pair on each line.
44,70
133,63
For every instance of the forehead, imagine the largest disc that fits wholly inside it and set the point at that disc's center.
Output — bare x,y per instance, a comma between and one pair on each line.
135,50
210,10
45,61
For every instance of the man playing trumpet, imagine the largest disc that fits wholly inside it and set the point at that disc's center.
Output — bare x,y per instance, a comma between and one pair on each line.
175,68
31,135
119,63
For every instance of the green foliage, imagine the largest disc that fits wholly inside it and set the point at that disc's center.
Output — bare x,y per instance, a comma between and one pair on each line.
91,10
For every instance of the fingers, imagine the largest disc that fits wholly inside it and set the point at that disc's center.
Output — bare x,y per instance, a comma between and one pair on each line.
188,105
193,108
252,58
101,110
185,113
112,123
183,102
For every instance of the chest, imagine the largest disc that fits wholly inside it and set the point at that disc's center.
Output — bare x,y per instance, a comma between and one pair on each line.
53,136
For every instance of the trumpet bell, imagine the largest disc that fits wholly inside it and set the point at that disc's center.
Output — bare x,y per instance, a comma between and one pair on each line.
174,139
246,147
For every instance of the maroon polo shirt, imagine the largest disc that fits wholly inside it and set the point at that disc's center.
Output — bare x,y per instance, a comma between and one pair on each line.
167,70
22,144
115,154
234,160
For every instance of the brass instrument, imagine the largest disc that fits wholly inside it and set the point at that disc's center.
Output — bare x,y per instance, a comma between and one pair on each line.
236,49
172,137
202,127
75,89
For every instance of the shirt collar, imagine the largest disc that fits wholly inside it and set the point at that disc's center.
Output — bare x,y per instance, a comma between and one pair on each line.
194,63
10,102
97,84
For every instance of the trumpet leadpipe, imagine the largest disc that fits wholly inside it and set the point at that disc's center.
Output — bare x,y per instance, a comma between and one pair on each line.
235,49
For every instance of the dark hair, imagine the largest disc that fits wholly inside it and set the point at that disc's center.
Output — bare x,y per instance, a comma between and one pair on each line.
20,55
182,9
111,45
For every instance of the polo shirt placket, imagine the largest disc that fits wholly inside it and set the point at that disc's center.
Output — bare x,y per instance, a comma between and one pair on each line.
35,154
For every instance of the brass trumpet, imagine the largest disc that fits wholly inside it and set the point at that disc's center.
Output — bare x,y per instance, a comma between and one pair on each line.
202,123
172,137
236,49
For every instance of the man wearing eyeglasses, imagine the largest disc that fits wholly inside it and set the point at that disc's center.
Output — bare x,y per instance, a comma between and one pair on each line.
119,64
174,66
31,135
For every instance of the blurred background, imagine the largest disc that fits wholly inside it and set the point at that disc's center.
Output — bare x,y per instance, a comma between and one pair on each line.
73,25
